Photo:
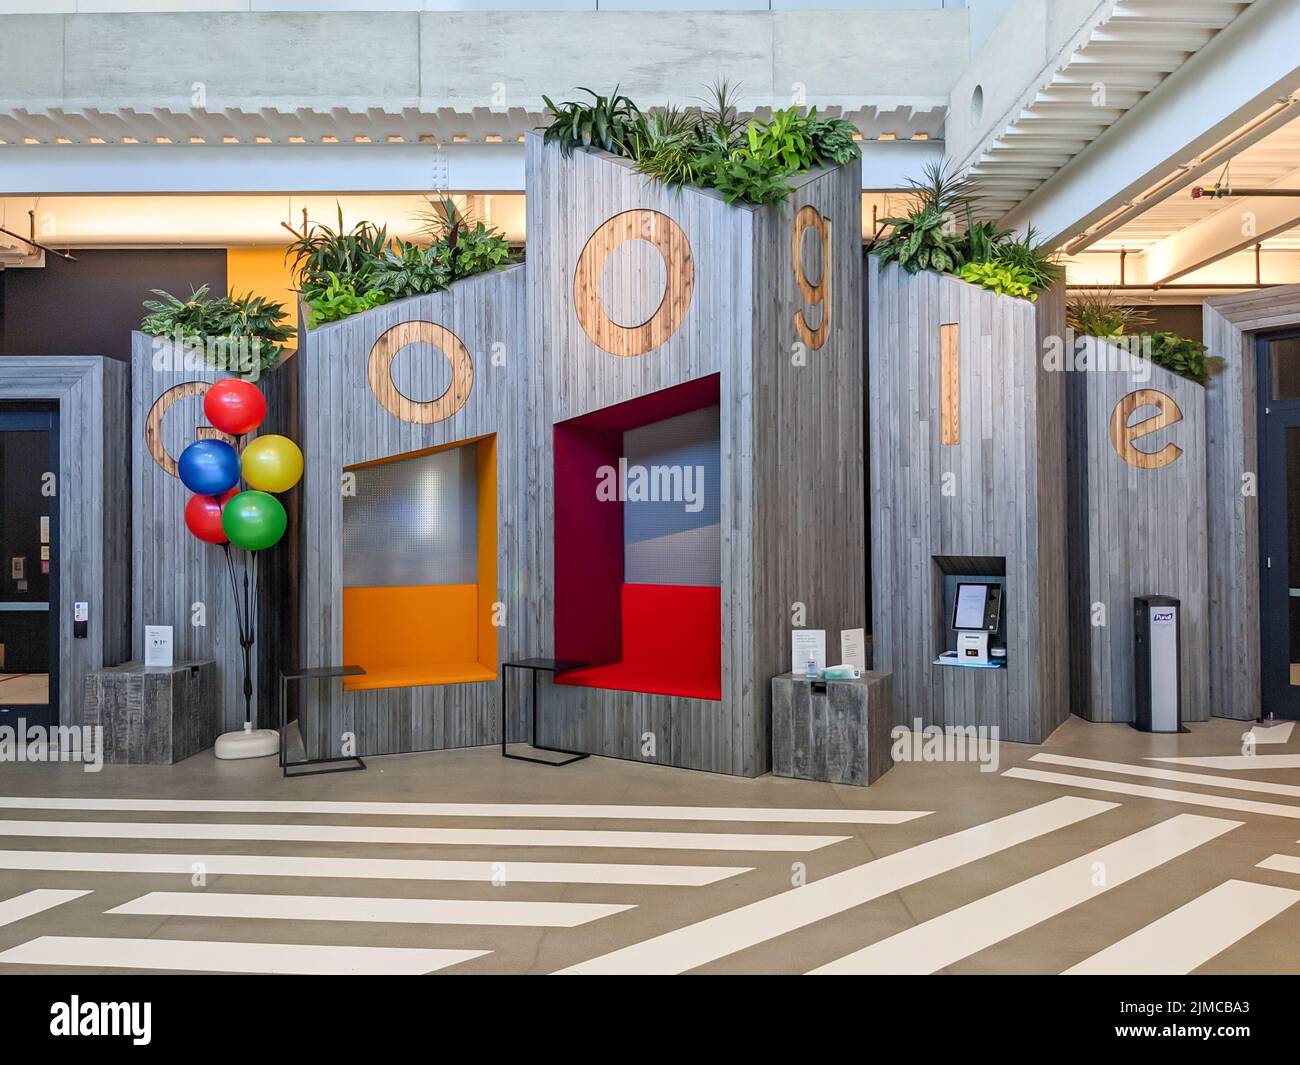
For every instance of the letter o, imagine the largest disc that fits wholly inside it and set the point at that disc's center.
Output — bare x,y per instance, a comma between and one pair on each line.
379,370
153,423
668,238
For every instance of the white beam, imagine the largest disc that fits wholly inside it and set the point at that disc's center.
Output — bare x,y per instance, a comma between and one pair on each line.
1241,224
51,170
1243,70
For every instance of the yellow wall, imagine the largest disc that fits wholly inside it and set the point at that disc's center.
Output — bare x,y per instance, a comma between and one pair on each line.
265,272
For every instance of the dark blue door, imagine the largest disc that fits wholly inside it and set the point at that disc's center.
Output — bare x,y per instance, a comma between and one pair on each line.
29,569
1279,522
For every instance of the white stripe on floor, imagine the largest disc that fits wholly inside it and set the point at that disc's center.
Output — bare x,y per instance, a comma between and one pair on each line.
1191,935
1119,787
706,941
1279,732
1239,761
33,902
453,837
383,910
371,868
452,809
1280,863
1153,773
957,934
210,957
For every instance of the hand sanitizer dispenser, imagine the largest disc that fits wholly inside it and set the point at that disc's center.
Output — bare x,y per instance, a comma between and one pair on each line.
1157,673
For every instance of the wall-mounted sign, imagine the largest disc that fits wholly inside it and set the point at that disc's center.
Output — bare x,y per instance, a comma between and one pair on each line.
1123,435
158,646
814,294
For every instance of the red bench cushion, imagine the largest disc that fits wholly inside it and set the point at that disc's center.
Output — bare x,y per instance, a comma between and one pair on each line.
672,644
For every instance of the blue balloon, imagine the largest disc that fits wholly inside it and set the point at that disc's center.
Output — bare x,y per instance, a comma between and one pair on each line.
209,467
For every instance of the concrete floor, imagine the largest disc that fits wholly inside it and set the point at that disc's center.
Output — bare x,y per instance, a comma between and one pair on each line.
755,920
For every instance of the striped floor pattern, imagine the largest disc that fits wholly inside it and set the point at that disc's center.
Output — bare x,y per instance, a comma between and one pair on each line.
285,894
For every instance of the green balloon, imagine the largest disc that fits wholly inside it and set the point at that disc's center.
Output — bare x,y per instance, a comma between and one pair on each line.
253,520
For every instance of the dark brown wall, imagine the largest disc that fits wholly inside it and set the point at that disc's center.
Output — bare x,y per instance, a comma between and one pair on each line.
1183,319
90,307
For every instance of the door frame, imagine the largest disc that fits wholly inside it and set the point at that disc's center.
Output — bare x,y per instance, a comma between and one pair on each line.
1277,695
42,416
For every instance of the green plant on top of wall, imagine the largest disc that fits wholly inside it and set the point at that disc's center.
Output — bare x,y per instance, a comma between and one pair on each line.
1177,354
340,299
706,144
202,318
611,123
1100,313
929,237
342,271
1003,279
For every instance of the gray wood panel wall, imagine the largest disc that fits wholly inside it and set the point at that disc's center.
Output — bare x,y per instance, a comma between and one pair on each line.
1134,532
997,493
94,506
792,463
342,424
1231,325
172,571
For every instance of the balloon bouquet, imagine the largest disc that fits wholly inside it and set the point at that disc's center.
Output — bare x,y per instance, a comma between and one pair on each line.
252,520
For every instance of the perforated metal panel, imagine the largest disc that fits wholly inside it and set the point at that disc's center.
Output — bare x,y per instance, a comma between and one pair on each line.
675,540
413,521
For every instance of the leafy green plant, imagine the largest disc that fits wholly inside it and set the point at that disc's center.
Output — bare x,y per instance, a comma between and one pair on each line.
611,123
1001,278
1099,313
340,299
785,143
409,270
748,180
1178,354
1028,257
706,144
202,318
832,139
921,241
466,245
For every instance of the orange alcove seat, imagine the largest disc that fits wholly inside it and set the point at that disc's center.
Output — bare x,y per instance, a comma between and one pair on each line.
412,635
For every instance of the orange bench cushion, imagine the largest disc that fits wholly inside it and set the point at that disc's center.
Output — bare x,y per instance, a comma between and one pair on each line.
410,635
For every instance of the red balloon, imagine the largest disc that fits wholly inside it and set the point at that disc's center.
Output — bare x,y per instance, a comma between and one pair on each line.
203,516
234,406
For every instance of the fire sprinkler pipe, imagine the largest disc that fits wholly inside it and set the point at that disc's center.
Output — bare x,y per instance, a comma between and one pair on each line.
1218,192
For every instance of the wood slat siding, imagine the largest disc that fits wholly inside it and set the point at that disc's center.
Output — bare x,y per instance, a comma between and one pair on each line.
171,570
1135,532
94,506
1008,478
792,452
342,424
1230,327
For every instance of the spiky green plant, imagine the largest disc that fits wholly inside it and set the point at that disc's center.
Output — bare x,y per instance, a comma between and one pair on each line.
608,122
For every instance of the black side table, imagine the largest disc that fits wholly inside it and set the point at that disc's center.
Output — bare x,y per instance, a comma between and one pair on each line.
318,674
535,666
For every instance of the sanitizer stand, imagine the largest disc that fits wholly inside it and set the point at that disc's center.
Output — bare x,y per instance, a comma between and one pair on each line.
1157,672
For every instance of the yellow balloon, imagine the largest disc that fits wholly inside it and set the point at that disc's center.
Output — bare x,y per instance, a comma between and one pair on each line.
271,463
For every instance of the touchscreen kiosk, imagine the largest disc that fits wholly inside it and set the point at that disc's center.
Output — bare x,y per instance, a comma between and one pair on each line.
976,613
